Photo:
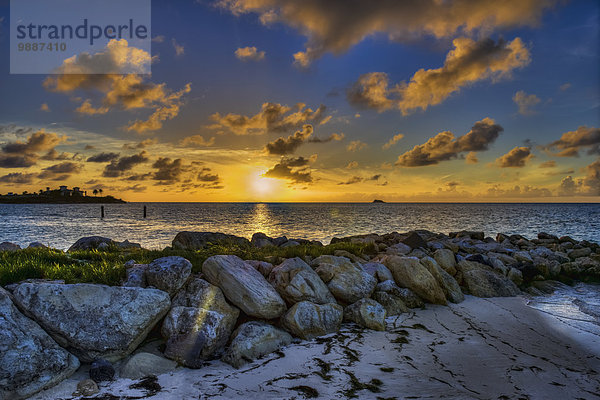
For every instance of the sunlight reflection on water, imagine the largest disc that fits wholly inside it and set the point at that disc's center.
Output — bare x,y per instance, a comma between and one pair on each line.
61,225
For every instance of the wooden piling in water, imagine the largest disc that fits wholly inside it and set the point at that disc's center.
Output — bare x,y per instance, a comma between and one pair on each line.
144,211
102,212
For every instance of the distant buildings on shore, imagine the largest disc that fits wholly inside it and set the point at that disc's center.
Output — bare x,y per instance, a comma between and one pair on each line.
61,191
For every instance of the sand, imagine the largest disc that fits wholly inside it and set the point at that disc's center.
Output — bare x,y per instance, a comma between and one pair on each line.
480,349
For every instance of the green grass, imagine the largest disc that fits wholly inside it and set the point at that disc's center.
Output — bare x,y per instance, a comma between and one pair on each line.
107,267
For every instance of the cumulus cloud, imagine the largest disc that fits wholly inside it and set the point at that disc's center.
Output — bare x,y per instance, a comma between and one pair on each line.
249,54
140,145
445,146
392,141
24,154
337,25
60,172
189,176
273,117
468,63
115,75
44,107
471,158
53,155
356,145
283,146
572,142
352,165
526,102
17,177
525,191
103,157
197,141
117,167
565,86
516,158
358,179
179,49
587,186
296,170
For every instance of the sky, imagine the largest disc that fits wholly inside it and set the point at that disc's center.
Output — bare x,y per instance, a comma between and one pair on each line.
324,101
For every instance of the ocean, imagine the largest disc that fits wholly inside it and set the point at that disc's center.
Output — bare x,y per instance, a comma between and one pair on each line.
60,225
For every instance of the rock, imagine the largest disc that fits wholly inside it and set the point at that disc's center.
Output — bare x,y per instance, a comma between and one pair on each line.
408,297
100,243
7,246
196,334
101,371
142,365
93,321
253,340
367,313
445,258
199,293
523,256
499,266
347,282
30,360
296,281
468,234
86,387
200,240
546,236
280,240
168,273
516,276
290,243
127,245
414,241
409,272
259,239
347,254
308,320
136,275
263,267
37,245
445,280
378,271
393,304
481,281
398,249
577,253
244,286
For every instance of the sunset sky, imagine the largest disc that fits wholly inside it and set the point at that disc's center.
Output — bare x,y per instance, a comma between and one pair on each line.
322,100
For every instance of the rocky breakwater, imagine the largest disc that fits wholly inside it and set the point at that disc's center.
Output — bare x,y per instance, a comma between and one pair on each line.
239,310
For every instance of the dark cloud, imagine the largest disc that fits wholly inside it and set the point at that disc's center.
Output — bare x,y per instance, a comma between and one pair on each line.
18,161
59,172
445,146
17,177
103,157
283,146
516,158
293,169
141,145
38,141
548,164
54,155
358,179
117,167
169,171
571,143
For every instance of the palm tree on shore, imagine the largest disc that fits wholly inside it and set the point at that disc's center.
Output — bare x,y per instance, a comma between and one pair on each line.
100,191
95,192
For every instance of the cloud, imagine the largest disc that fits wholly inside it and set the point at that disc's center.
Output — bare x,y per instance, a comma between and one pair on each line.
548,164
468,63
60,172
197,141
249,54
337,25
103,157
38,141
117,167
516,158
356,145
445,146
392,141
141,145
190,176
471,158
526,102
168,171
273,117
333,137
352,165
572,142
293,169
18,161
135,188
17,177
565,86
179,49
103,73
283,146
591,182
158,39
351,181
526,191
44,107
53,155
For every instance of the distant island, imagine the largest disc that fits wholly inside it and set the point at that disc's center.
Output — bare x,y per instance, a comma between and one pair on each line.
62,195
378,201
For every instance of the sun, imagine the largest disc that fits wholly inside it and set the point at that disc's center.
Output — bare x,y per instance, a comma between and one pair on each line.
261,186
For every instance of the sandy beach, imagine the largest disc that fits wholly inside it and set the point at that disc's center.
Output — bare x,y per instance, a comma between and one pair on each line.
496,348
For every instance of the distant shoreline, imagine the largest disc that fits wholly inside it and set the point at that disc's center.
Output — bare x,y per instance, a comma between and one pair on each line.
35,199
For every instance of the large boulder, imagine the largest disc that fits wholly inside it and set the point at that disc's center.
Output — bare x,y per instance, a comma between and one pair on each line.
296,281
445,280
408,297
101,243
30,360
253,340
141,365
168,273
93,321
308,320
8,246
200,240
445,258
409,272
367,313
244,286
482,281
378,271
347,281
393,304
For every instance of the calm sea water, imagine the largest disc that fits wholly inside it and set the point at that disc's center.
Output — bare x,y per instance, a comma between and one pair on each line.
61,225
